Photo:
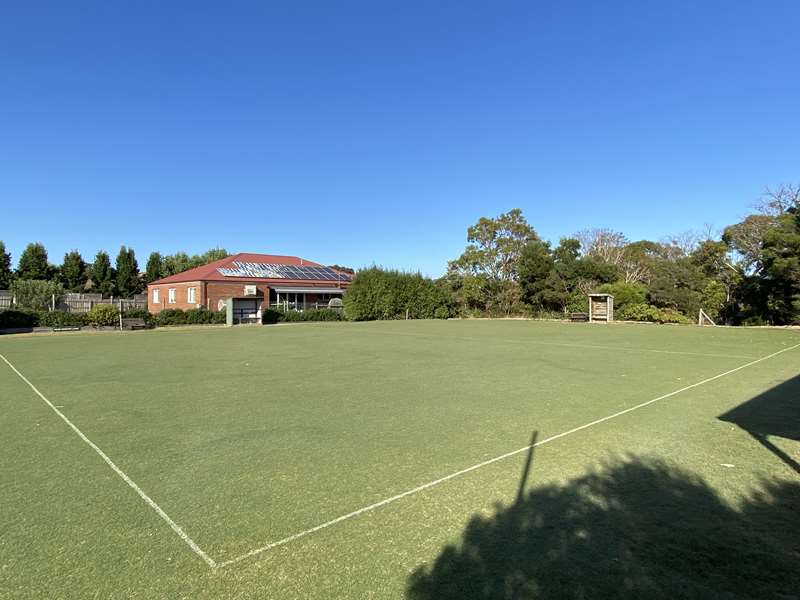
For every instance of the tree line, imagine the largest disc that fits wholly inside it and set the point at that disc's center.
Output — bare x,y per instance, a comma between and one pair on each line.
74,274
749,273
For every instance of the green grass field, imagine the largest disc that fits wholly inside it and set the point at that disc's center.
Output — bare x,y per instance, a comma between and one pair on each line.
245,437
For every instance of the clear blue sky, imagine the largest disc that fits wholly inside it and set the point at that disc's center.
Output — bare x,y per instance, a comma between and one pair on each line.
377,132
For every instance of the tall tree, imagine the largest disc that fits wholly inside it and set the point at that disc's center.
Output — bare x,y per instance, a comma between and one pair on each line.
781,267
73,271
127,272
536,265
102,274
5,267
495,246
155,267
33,263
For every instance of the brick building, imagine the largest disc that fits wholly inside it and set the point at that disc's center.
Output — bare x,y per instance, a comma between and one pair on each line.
252,282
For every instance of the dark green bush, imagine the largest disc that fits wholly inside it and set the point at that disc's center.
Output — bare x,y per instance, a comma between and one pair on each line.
13,319
170,316
139,313
383,294
203,316
61,318
193,316
270,316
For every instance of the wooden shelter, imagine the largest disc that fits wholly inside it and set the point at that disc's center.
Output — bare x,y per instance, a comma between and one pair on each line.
601,308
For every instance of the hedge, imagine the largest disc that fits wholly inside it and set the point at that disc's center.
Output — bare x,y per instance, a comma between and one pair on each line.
385,294
13,319
270,316
193,316
61,318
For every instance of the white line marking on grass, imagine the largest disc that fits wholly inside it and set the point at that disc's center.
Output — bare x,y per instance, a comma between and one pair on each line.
159,511
485,463
562,344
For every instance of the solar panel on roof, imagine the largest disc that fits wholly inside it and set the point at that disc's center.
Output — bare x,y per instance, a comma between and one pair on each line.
271,271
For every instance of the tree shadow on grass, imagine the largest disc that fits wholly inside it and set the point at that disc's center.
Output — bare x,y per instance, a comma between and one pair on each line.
632,528
776,412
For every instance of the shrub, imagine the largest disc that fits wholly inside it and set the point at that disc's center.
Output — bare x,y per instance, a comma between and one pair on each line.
203,316
441,312
193,316
270,316
13,319
652,314
103,315
61,318
638,312
382,294
577,302
139,313
170,316
755,321
625,293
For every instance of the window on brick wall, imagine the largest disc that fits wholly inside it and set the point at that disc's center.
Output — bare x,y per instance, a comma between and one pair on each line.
155,296
191,295
171,296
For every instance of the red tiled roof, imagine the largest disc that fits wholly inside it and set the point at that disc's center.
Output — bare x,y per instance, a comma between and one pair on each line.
209,272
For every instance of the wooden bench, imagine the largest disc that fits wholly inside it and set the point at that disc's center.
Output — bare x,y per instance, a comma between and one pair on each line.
134,324
578,317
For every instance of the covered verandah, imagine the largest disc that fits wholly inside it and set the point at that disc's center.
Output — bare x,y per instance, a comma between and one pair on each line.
304,298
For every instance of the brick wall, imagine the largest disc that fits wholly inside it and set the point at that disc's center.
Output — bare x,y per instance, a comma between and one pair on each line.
181,296
218,290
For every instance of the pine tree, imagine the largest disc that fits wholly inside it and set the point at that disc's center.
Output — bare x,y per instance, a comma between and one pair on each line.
33,263
155,266
127,272
73,271
102,274
5,267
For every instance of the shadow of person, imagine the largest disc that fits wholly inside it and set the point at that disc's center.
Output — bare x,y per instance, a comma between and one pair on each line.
632,528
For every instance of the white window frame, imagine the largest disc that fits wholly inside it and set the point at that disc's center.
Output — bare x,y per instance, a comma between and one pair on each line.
156,299
191,295
171,295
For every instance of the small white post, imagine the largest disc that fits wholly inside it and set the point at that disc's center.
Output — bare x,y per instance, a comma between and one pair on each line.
120,314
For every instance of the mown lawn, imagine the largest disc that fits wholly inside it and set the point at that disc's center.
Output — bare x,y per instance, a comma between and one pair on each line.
248,436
